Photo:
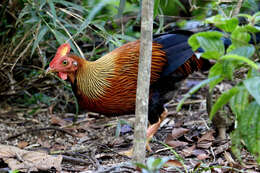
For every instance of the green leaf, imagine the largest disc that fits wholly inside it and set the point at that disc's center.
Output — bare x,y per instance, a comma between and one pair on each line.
60,37
91,15
42,32
249,17
252,29
246,51
213,47
150,162
209,35
194,89
226,24
156,7
158,163
222,100
240,37
240,58
249,128
253,87
239,102
228,69
53,11
216,70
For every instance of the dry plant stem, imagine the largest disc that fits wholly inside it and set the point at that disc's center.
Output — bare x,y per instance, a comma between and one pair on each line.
20,43
81,53
39,129
237,9
21,54
143,82
185,103
74,160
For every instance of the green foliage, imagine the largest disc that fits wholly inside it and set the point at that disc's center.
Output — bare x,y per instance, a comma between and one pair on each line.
195,89
240,54
36,99
153,165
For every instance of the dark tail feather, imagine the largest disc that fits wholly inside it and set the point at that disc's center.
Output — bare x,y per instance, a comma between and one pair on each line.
193,64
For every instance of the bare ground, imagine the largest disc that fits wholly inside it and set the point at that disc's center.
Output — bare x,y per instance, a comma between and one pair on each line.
91,144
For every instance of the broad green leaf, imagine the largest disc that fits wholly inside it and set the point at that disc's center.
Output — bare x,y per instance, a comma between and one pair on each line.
53,11
228,69
226,24
240,58
222,100
240,37
194,89
246,51
42,32
256,14
159,162
212,45
91,15
253,87
211,55
150,162
253,73
216,70
236,143
252,29
239,102
249,17
156,7
214,35
249,128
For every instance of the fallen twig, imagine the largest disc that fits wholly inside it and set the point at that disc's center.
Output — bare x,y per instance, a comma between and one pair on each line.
31,130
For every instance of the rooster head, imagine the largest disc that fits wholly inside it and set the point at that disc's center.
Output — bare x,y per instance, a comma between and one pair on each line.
62,62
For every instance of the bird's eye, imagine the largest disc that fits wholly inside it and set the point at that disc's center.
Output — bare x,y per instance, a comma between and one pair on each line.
65,62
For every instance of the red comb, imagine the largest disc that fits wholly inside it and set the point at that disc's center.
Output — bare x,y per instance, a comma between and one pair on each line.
63,50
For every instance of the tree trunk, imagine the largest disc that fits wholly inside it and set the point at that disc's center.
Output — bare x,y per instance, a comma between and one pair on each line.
143,82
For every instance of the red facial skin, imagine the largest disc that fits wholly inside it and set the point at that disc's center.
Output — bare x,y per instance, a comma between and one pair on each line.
62,63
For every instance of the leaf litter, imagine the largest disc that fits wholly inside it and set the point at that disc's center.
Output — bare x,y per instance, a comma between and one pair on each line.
90,144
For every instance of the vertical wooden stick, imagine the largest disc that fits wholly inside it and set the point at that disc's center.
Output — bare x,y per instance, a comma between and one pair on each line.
143,81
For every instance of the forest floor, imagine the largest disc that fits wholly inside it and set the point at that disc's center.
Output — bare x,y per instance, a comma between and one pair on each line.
94,144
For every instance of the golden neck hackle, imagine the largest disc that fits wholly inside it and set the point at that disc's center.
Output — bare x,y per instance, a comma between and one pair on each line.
92,77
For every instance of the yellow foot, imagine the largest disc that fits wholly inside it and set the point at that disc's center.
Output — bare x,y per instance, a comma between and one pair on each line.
152,129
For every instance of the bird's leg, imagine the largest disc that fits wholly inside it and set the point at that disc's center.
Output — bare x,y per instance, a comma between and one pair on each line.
152,129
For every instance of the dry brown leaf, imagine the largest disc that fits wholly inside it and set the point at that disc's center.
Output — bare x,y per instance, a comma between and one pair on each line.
204,144
173,163
202,156
43,142
22,160
188,151
22,144
58,121
178,132
176,143
229,158
207,136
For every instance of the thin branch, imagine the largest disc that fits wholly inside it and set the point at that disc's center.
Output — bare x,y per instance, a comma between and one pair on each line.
237,9
143,82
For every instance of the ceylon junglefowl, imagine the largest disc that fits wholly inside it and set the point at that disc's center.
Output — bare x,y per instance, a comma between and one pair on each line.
108,85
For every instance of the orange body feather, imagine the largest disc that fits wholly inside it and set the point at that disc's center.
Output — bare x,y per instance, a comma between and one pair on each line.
117,71
108,85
